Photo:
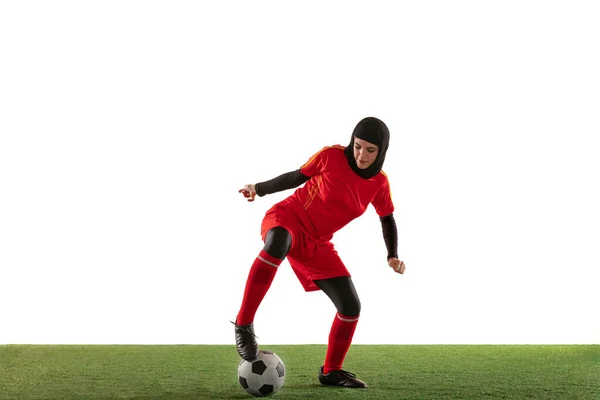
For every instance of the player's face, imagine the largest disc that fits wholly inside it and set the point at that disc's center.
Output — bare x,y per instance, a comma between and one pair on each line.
365,153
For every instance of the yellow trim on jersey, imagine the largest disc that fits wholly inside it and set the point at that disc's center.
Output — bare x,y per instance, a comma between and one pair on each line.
389,186
310,198
314,156
335,146
312,192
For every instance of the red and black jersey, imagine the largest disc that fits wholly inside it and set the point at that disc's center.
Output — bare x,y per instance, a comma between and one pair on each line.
334,194
337,191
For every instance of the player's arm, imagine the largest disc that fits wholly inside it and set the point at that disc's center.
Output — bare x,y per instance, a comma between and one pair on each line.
390,235
385,209
286,181
292,179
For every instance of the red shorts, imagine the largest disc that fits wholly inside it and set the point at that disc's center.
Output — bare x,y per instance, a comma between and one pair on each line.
310,258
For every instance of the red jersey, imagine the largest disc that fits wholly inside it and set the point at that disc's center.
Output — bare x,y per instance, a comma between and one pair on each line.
335,195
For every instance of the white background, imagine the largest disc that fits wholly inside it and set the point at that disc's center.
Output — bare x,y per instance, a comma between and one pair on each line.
127,129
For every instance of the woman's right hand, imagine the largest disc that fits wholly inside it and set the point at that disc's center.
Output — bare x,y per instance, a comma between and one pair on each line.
249,192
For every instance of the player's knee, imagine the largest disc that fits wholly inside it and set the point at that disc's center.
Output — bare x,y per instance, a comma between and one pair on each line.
342,293
350,307
278,242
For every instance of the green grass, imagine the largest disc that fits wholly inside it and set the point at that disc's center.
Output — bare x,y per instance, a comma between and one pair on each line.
141,372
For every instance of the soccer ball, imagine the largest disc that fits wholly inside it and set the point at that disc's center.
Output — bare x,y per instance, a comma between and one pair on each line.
262,376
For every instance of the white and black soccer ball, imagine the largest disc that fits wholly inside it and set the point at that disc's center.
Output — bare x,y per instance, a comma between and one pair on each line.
262,376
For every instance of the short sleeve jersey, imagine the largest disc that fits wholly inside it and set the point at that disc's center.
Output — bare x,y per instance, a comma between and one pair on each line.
335,195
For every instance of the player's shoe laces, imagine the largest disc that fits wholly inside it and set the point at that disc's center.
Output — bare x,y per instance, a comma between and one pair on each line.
340,378
245,341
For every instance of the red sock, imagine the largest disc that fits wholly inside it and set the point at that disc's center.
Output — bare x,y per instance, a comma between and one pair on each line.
258,283
340,338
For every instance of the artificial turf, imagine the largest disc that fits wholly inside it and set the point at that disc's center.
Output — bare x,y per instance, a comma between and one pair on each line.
185,372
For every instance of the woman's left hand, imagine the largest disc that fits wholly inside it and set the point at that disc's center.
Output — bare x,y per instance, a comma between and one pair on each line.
397,265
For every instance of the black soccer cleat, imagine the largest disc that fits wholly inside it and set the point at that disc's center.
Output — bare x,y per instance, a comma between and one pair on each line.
245,341
340,378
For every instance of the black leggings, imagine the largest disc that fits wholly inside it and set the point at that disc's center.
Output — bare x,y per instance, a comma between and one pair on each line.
340,290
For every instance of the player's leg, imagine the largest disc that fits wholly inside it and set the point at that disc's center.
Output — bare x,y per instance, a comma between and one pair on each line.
277,245
343,294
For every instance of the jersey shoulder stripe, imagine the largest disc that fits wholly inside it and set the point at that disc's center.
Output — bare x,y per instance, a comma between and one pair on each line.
310,160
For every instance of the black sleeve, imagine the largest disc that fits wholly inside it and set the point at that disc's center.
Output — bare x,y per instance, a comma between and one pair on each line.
390,235
286,181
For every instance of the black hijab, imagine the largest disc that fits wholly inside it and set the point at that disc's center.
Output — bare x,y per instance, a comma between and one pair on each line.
374,131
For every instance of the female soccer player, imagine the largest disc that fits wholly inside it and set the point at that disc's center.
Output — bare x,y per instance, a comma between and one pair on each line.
340,183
